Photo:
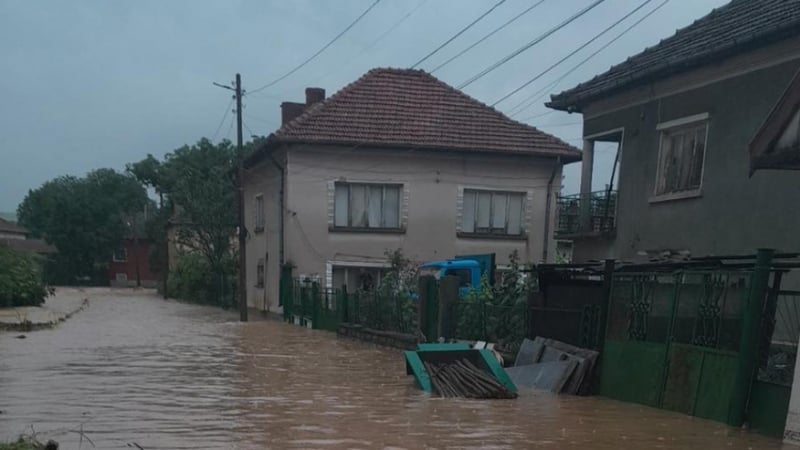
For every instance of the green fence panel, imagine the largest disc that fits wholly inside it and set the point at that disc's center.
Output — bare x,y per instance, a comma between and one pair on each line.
684,368
633,371
769,403
715,390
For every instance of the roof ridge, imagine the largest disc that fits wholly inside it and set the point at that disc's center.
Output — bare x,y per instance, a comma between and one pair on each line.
737,24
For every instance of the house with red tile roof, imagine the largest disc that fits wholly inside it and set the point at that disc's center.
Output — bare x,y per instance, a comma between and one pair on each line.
16,237
395,160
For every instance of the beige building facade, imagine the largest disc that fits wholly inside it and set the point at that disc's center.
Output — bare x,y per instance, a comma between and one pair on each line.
331,210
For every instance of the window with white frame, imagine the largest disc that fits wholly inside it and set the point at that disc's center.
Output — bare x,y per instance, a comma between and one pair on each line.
680,158
493,212
366,205
259,212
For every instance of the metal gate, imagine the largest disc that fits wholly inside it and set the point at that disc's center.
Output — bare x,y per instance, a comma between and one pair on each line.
672,340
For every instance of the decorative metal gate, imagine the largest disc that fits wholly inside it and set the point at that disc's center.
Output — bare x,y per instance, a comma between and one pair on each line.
672,340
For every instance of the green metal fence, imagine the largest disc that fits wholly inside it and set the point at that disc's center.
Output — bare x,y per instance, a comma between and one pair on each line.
379,311
484,321
672,340
308,304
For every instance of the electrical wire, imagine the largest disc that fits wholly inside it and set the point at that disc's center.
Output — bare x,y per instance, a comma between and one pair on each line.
444,44
530,44
572,53
248,128
228,134
224,116
375,42
325,47
537,116
537,95
509,22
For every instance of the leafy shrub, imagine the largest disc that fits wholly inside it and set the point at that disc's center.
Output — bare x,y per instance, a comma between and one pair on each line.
391,307
193,280
496,313
20,280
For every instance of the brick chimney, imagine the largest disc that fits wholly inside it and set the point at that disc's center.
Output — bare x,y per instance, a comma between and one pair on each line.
290,110
314,95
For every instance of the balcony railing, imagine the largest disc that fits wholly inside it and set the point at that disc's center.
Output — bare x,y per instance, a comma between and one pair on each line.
587,214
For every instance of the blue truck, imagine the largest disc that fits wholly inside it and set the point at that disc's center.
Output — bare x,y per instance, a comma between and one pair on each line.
469,269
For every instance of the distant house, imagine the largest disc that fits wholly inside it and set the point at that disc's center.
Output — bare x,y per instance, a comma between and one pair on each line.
16,238
683,114
130,265
396,159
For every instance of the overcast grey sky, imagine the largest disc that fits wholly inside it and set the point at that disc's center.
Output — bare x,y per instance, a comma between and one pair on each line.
88,84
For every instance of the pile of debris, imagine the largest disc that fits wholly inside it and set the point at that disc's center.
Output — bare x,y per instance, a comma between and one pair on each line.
461,378
555,366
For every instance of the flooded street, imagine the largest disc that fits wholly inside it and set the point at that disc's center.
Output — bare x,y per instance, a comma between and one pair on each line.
132,368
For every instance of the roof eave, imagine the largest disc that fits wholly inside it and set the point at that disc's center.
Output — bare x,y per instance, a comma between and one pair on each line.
566,155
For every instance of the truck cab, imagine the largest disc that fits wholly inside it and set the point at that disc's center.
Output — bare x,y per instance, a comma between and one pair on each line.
468,272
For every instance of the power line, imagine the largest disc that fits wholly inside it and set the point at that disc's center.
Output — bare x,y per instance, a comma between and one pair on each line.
375,42
228,134
572,53
459,33
538,115
248,129
224,116
513,19
336,38
530,44
542,91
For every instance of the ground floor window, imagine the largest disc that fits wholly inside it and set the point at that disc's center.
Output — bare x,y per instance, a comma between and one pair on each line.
357,278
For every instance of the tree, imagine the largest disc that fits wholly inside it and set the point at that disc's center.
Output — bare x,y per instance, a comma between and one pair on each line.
85,218
196,185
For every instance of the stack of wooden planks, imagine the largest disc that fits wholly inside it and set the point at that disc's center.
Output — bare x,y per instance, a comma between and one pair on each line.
461,378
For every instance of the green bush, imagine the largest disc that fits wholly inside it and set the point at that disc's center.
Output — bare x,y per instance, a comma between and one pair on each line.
497,313
20,280
193,280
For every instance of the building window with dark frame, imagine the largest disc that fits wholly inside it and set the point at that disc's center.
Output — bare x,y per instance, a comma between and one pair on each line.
259,213
260,273
120,255
367,206
493,213
680,158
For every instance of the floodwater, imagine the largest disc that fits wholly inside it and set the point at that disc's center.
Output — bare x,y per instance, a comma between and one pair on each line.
134,370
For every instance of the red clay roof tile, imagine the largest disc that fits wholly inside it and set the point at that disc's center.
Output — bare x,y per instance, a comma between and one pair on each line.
411,108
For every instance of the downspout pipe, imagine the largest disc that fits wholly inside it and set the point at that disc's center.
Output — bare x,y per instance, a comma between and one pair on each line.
282,208
548,206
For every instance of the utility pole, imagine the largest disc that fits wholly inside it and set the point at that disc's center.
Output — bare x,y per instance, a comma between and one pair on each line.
240,198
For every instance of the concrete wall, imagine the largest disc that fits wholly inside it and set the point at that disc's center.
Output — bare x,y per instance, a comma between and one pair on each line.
264,180
735,214
429,211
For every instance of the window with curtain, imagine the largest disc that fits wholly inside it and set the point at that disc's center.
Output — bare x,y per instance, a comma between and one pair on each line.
363,205
680,164
493,212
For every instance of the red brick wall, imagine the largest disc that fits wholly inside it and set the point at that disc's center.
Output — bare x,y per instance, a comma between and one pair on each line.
140,253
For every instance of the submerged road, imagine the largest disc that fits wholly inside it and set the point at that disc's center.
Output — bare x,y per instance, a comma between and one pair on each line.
135,370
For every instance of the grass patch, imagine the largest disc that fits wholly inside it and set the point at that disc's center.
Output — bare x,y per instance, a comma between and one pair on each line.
28,443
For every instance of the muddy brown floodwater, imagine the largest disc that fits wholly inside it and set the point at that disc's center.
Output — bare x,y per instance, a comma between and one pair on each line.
133,368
